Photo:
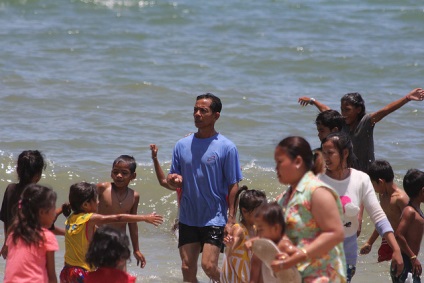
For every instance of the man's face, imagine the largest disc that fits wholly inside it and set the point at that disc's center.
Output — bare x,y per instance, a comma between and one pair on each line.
203,115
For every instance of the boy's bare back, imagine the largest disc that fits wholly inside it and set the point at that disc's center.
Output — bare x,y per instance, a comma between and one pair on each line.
411,226
393,205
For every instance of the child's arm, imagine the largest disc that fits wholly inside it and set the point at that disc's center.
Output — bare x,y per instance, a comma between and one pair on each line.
255,270
133,228
233,239
99,219
416,95
304,101
406,220
158,170
366,248
51,271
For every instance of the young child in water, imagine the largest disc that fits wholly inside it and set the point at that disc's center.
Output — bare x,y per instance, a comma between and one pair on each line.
81,225
108,253
31,245
116,198
410,231
236,264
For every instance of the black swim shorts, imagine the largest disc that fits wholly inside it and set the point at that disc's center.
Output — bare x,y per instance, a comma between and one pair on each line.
213,235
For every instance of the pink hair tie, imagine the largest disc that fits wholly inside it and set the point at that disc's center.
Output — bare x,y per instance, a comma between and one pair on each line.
20,204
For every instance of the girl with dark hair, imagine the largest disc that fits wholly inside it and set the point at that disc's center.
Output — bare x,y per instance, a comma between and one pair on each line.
355,186
236,265
317,233
360,124
31,245
108,253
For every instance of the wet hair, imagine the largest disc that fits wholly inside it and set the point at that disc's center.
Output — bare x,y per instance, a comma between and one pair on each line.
356,100
413,182
107,248
80,193
248,199
216,105
331,119
381,169
128,160
272,214
319,162
297,146
341,141
26,225
30,164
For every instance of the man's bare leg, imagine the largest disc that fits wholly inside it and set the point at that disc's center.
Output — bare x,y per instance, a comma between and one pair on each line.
210,261
189,254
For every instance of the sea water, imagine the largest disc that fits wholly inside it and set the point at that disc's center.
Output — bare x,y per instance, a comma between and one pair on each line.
85,81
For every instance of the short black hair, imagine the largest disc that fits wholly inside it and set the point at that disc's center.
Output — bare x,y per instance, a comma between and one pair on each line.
80,193
216,105
331,119
127,159
108,247
381,169
413,182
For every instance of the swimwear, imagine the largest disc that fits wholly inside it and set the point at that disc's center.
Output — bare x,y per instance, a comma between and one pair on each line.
385,252
72,274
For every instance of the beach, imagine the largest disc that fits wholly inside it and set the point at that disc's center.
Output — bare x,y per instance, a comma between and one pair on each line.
85,81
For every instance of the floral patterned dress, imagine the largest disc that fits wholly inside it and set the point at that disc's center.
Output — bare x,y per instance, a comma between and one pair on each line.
302,229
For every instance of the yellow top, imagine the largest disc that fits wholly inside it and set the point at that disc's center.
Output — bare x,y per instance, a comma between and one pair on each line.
76,241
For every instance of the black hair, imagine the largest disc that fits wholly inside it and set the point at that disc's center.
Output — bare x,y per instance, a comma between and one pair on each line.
413,182
272,214
30,164
216,105
248,199
26,225
356,100
297,146
342,141
127,159
331,119
381,169
107,248
80,193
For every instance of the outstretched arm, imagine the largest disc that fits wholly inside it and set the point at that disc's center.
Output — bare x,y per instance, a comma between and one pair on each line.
304,101
416,95
158,170
366,248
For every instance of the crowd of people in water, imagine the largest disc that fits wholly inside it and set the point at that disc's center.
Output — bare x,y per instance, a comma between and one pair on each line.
310,230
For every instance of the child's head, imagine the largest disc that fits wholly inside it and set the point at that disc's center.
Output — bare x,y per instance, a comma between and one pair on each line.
413,183
36,210
83,197
269,221
248,201
352,107
337,150
30,166
380,173
329,121
123,170
109,248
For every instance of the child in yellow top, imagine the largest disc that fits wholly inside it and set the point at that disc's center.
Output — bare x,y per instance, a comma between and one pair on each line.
81,225
236,264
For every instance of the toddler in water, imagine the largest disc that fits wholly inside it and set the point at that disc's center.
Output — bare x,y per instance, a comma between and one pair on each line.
31,245
236,264
108,252
81,225
269,222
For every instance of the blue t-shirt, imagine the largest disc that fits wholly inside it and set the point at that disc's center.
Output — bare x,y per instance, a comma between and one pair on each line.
208,167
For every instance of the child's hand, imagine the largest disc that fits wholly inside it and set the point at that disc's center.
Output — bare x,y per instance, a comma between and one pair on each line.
228,240
175,180
154,150
249,243
304,101
416,94
154,219
416,267
365,249
140,259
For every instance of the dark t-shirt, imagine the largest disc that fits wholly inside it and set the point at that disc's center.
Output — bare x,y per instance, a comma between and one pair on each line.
10,200
363,143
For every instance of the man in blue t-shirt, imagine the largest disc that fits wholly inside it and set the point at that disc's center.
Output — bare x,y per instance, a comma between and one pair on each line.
206,166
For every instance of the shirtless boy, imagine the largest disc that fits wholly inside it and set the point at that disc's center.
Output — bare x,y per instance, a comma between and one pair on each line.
118,198
409,233
392,200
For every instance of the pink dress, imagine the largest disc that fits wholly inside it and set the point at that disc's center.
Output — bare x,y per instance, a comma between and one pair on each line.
27,263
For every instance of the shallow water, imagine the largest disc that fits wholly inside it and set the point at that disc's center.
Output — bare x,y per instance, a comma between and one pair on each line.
85,81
